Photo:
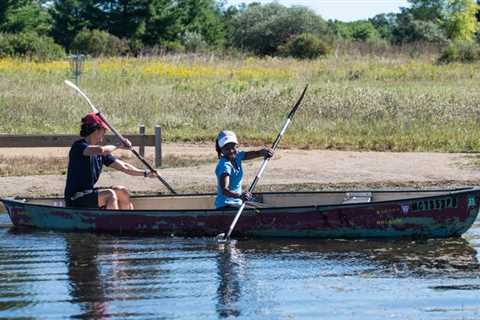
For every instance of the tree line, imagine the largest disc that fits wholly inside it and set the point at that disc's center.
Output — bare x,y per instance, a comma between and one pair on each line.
52,28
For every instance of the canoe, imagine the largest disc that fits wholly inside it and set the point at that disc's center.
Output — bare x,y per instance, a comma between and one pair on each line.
338,214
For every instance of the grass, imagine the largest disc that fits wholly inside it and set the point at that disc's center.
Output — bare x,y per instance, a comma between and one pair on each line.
354,102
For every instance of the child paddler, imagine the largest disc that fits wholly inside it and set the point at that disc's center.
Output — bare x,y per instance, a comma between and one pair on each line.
86,159
229,170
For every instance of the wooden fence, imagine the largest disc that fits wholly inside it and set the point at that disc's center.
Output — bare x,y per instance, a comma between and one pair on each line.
140,140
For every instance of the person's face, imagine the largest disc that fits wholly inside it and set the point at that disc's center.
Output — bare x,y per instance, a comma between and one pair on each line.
230,150
98,135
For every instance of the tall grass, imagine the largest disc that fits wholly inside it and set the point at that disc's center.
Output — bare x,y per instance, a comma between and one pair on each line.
355,102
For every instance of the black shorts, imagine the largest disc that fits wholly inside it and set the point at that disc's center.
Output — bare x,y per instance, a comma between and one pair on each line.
87,201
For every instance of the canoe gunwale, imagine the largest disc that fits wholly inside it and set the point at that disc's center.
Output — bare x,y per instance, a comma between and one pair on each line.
447,192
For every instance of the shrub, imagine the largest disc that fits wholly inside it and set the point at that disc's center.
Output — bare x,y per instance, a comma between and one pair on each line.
460,51
173,47
30,45
193,42
99,43
304,46
262,29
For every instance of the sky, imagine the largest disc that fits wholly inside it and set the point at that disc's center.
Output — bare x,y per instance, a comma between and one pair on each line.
345,10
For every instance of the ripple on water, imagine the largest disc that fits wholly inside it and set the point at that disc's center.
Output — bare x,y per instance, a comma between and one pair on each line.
81,275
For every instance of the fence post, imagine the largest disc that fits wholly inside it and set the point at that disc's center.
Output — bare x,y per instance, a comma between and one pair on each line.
141,148
158,146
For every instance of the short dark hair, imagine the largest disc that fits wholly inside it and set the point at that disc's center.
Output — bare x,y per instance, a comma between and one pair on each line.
88,129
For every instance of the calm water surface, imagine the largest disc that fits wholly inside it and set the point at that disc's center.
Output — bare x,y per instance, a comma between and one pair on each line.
51,275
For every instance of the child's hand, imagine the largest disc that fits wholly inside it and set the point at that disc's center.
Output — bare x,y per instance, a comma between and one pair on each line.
267,153
246,196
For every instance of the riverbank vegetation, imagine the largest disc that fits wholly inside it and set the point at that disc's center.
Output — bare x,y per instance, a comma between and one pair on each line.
402,82
361,102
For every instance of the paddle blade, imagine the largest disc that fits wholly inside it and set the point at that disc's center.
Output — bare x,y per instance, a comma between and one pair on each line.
221,238
299,101
72,85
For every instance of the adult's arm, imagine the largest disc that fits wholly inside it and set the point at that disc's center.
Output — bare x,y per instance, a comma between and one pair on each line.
93,150
131,170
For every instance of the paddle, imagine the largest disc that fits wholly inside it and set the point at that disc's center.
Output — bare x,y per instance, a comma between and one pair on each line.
119,136
224,237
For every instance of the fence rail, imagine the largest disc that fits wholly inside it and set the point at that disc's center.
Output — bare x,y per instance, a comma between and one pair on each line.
140,140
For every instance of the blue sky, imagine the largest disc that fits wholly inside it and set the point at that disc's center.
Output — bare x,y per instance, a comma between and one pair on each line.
345,10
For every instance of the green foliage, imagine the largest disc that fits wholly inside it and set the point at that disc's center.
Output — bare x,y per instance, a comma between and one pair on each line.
304,46
361,30
409,29
144,22
262,29
427,10
202,17
99,43
30,45
72,16
460,51
28,18
25,16
173,46
193,42
462,23
384,24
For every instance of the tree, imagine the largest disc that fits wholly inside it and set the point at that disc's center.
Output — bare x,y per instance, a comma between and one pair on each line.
462,23
202,17
125,18
263,28
72,16
427,10
26,16
384,24
422,21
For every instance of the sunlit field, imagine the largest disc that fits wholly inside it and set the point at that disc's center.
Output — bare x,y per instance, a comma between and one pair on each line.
355,103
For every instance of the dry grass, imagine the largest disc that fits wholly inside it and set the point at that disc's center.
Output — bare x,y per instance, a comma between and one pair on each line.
355,102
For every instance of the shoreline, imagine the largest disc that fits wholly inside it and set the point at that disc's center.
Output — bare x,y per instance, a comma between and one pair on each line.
290,168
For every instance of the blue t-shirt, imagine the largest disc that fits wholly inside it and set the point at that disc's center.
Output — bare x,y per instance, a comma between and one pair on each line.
224,166
83,171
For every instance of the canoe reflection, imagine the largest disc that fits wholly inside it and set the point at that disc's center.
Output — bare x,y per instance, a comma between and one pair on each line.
453,257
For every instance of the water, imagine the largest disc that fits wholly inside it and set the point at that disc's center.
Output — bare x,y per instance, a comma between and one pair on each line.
50,275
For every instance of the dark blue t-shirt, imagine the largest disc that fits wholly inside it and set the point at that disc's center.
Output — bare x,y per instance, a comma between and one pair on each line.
84,171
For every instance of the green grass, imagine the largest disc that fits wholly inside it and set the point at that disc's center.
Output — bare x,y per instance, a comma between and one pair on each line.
354,103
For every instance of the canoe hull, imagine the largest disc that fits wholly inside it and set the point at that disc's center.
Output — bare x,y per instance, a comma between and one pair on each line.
448,215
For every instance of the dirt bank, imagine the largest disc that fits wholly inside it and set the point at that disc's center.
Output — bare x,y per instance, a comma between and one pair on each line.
296,168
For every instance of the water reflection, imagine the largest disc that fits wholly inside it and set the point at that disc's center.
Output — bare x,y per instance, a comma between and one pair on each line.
87,288
399,258
230,262
68,275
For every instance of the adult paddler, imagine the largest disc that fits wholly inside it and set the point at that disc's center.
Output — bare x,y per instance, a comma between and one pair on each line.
86,160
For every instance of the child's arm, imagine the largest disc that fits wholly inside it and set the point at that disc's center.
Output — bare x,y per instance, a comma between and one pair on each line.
262,153
225,182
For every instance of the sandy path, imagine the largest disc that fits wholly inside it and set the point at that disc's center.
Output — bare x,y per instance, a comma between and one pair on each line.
319,167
